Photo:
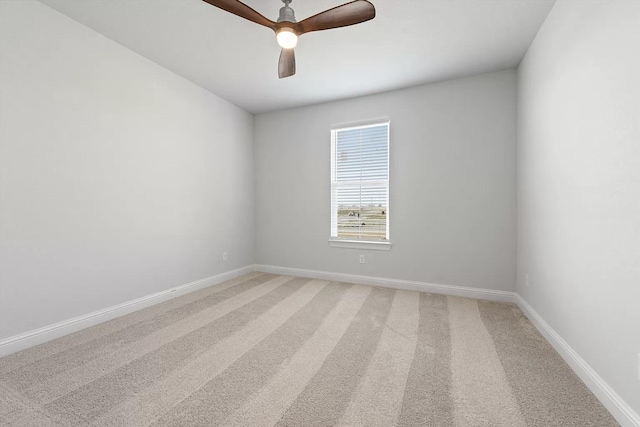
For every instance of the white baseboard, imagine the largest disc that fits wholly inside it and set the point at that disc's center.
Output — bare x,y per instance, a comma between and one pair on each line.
620,410
435,288
38,336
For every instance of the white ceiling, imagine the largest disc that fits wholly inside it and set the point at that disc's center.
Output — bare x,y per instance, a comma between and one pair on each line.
410,42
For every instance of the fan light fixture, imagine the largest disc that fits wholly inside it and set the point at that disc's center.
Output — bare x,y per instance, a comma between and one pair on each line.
288,29
287,38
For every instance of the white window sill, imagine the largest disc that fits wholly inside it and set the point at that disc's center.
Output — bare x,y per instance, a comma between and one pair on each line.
360,244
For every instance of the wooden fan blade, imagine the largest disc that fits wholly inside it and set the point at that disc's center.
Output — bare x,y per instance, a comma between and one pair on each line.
287,63
351,13
242,10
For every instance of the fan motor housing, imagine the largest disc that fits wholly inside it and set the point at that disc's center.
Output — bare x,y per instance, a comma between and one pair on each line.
286,13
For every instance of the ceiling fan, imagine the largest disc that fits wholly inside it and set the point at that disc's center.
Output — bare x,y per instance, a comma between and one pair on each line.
288,30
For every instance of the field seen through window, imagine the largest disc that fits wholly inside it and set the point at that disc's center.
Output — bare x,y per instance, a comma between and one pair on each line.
362,222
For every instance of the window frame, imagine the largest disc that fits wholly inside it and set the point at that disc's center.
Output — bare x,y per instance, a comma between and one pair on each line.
355,243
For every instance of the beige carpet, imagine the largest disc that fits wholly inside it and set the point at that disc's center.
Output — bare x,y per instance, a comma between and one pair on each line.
265,350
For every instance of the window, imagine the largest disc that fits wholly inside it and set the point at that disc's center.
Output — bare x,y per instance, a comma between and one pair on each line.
360,184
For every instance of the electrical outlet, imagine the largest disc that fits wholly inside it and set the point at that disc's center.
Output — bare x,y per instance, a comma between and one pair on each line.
526,280
224,256
361,259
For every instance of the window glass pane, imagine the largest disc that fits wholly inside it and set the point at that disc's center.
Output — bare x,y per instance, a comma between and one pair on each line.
360,182
362,153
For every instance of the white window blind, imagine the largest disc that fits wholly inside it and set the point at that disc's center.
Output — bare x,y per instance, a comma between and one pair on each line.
360,182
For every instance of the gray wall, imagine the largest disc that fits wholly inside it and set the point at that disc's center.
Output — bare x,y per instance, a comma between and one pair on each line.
452,184
118,178
579,184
